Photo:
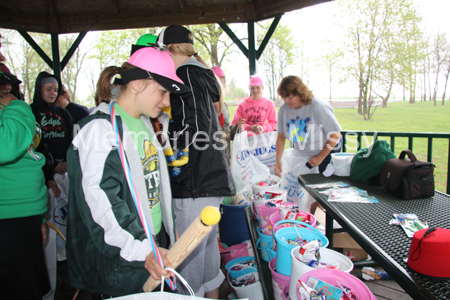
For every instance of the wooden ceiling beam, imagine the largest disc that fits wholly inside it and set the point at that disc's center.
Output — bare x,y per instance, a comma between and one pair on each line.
115,6
52,20
151,18
279,7
154,18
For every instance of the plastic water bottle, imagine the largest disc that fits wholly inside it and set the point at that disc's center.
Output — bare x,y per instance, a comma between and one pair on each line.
170,158
179,154
176,171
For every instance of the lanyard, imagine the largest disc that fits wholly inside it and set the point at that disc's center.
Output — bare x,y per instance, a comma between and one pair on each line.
137,203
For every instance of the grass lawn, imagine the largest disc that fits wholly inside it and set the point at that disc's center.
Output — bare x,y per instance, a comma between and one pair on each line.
404,117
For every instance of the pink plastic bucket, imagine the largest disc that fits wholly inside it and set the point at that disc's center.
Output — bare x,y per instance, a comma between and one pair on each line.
275,218
233,252
331,276
279,281
264,218
286,292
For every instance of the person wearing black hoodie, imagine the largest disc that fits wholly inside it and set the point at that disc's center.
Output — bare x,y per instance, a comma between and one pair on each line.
55,121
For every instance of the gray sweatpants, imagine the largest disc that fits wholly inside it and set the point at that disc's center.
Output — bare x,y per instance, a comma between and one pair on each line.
201,268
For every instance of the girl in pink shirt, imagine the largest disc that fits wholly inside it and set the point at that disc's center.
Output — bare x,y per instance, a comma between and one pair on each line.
256,112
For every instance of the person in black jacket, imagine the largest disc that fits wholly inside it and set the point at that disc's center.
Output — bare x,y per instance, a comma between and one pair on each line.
77,111
205,179
56,122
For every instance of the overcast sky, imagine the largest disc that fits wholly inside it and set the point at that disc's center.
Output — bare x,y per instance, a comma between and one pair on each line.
314,25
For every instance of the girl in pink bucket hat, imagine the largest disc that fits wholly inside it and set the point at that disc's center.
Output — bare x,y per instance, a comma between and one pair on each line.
256,113
115,162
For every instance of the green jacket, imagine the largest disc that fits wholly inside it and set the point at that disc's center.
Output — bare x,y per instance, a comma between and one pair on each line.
23,187
106,244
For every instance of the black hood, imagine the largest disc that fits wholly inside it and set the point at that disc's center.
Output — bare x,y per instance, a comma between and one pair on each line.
38,102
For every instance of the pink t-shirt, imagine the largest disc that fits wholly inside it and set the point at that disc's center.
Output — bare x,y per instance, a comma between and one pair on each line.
261,112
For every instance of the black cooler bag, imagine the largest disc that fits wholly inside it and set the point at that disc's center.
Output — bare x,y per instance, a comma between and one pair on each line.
408,178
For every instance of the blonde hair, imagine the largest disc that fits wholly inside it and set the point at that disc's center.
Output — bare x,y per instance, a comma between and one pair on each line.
189,50
221,99
294,86
186,49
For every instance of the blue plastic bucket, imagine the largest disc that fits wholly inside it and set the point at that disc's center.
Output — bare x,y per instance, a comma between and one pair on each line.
235,274
265,244
284,260
233,226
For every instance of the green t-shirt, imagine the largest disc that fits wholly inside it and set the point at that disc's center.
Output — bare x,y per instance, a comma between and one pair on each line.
150,163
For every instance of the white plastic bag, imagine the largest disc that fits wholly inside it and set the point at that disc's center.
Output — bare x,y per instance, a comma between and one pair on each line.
240,161
59,213
243,195
263,147
257,167
294,164
161,295
55,247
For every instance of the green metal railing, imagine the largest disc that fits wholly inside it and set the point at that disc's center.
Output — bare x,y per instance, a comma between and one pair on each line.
430,136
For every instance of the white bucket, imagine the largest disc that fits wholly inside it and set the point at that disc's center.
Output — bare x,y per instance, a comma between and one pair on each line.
261,189
326,256
342,163
255,203
252,291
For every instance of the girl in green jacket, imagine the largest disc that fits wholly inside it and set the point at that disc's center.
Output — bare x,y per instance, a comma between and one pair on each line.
23,200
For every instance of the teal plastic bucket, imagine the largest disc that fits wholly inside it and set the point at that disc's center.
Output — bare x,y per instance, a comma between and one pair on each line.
265,245
284,260
237,273
233,228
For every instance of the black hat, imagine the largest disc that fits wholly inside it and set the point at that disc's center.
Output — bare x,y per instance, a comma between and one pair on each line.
175,34
8,78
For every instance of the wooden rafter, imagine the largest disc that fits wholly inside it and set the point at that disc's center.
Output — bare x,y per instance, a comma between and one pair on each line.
59,19
115,6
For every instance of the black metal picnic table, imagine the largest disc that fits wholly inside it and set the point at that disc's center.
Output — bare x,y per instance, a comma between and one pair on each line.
368,225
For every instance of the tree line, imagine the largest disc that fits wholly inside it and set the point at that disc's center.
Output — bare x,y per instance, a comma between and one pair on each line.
384,46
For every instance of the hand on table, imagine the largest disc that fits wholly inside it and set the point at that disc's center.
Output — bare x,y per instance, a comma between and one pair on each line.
154,269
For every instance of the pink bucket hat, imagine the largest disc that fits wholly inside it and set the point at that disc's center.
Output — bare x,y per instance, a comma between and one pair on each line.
256,81
156,64
218,71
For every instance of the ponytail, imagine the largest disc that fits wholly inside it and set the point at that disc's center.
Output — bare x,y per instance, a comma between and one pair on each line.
201,60
186,49
103,92
104,86
221,99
